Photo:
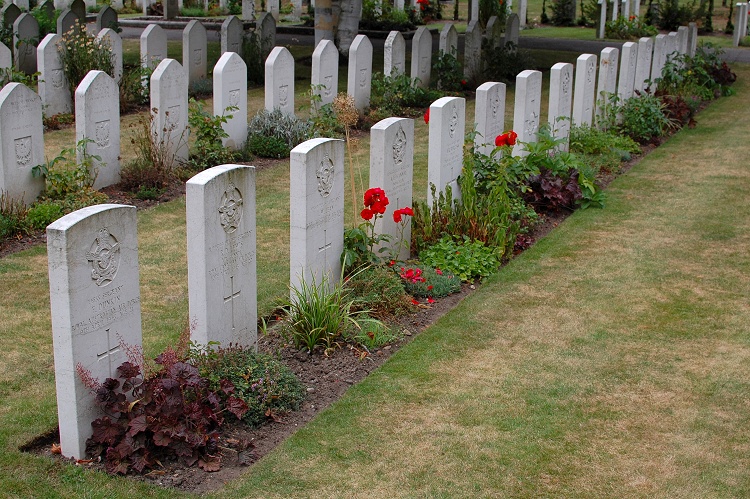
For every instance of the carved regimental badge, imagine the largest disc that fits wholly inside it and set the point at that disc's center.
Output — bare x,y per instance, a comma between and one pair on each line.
230,211
23,150
104,257
325,176
454,121
399,146
495,102
102,133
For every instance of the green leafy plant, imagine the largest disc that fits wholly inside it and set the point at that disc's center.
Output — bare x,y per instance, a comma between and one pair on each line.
563,12
603,150
393,94
464,258
13,216
135,85
373,334
448,74
41,214
643,118
273,134
423,281
208,148
382,16
378,290
153,167
630,28
80,53
489,8
504,63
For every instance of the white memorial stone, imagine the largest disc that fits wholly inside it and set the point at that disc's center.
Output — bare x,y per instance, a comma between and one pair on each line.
522,7
527,109
493,32
273,8
109,37
560,102
79,8
6,56
472,50
106,18
53,85
359,81
489,115
692,39
682,40
195,51
230,91
325,72
279,92
421,57
628,64
607,85
449,40
671,46
25,34
231,35
10,14
296,10
601,27
169,108
659,58
67,21
446,145
21,142
266,31
512,29
221,234
96,309
584,90
736,35
98,120
643,66
392,169
394,56
153,46
316,212
248,10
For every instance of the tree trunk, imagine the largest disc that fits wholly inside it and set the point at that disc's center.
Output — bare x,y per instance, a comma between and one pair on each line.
348,24
325,27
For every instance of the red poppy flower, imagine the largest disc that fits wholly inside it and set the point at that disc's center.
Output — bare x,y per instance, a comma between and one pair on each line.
392,263
438,272
397,216
367,214
427,116
414,302
464,82
407,211
430,300
429,288
512,136
501,140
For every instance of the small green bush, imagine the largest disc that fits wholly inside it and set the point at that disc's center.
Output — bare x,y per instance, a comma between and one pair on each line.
465,259
373,334
563,12
378,289
208,150
448,74
40,215
273,134
504,63
424,281
628,29
391,95
643,118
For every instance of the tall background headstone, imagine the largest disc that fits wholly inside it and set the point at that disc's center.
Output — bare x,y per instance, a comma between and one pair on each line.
585,90
153,46
394,54
169,108
279,91
25,39
359,81
643,64
489,115
421,56
527,108
53,85
446,147
230,91
325,72
195,51
560,101
231,35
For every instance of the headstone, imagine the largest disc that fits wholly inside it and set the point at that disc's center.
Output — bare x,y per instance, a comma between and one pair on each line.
6,56
22,4
25,38
222,279
169,97
446,145
643,66
48,7
601,27
21,142
358,83
736,35
493,32
512,29
628,64
607,85
10,14
527,108
394,57
106,18
316,212
659,58
489,115
324,20
636,8
95,301
560,101
682,40
153,46
111,39
421,57
296,10
522,7
53,85
248,10
194,51
585,90
392,169
171,9
280,81
99,121
449,40
79,9
230,90
231,35
267,34
472,50
273,8
692,39
474,10
671,46
325,72
67,21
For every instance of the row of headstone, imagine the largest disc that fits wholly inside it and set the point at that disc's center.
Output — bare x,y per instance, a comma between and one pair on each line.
740,23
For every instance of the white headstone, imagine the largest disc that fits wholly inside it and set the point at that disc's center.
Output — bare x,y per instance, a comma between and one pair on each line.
585,90
106,18
316,212
67,21
472,50
324,20
493,32
601,27
194,51
671,46
560,101
169,97
449,40
231,35
6,57
489,115
421,56
325,71
522,6
394,54
359,81
607,85
474,9
222,279
109,37
266,31
512,29
628,64
25,34
280,81
153,46
171,9
643,66
21,142
527,108
692,39
659,58
636,8
98,120
48,7
446,145
22,4
736,35
95,301
248,10
53,85
682,40
296,10
273,8
392,169
230,90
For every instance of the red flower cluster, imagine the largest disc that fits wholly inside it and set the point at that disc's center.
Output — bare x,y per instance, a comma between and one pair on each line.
375,203
423,4
413,275
402,212
506,139
427,116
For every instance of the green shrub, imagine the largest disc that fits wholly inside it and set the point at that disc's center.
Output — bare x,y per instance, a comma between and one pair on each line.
448,74
673,14
208,150
628,29
153,166
135,85
81,53
391,95
466,259
643,118
267,386
381,16
563,12
504,63
273,134
424,281
373,334
40,215
378,289
603,150
47,24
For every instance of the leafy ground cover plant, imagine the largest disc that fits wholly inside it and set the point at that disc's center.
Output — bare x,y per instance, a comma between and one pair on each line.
373,334
273,134
396,95
644,118
448,74
378,290
209,150
631,28
465,259
603,150
424,281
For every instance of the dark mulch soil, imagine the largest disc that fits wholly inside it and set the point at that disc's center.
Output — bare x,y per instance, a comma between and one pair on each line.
326,377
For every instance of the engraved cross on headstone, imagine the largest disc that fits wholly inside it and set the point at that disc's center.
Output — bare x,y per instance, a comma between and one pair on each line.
107,354
326,245
231,297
